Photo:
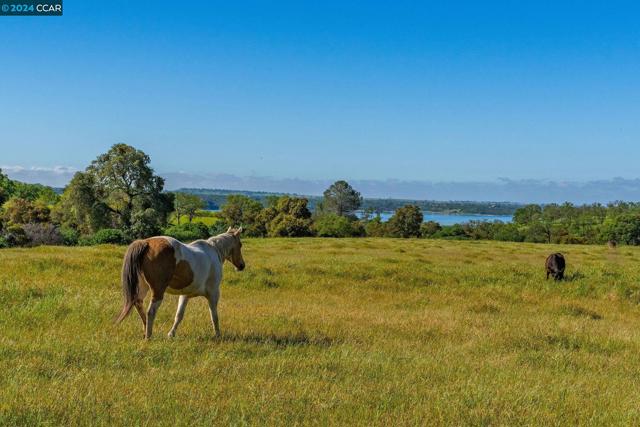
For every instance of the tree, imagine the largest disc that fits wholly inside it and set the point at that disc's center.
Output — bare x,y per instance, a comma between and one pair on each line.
406,221
544,224
80,208
527,214
479,230
290,217
537,232
32,192
332,225
21,211
507,232
187,204
429,228
240,210
624,228
341,199
376,228
114,190
7,187
188,232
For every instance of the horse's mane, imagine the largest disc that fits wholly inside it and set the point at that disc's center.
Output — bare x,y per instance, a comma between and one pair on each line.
222,243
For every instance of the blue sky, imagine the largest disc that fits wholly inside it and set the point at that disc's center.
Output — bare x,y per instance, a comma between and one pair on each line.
416,91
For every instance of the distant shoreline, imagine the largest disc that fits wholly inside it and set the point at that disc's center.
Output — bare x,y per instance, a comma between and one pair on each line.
442,218
445,218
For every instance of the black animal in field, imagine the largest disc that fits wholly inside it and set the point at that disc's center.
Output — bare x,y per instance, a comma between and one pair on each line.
555,266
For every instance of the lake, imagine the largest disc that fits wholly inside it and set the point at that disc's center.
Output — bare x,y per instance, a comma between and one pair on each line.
442,218
450,219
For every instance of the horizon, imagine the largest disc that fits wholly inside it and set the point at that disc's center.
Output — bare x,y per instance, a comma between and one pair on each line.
513,102
503,190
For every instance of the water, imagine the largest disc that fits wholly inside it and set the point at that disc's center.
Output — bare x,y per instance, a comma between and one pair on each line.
450,219
440,218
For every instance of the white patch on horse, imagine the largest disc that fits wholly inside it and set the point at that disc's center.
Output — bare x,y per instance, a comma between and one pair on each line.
197,272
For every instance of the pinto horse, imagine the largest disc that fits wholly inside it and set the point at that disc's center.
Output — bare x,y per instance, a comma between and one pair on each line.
163,264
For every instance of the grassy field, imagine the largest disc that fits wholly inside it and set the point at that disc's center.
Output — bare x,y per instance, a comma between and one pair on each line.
205,217
330,332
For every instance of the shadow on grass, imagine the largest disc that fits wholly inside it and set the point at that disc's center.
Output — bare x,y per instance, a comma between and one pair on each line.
576,275
298,339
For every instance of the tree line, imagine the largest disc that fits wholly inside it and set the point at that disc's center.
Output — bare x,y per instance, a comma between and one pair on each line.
118,198
216,198
564,223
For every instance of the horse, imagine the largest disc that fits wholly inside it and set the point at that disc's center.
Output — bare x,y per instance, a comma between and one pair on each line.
555,265
163,264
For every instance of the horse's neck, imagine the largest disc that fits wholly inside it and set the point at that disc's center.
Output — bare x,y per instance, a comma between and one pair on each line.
223,244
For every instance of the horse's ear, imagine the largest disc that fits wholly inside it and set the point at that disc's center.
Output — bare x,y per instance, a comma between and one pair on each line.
229,229
238,231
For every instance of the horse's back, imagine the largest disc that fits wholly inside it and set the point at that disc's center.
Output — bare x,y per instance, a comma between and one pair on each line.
204,265
555,263
171,265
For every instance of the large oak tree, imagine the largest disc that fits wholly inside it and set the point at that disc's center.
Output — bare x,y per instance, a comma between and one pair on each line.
120,190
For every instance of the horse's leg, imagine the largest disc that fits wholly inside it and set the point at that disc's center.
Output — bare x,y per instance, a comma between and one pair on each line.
139,304
213,309
142,314
151,314
182,304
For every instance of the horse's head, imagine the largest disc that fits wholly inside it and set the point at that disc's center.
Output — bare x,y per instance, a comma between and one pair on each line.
235,255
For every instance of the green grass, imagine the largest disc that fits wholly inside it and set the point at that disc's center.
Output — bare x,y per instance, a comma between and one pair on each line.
330,332
205,217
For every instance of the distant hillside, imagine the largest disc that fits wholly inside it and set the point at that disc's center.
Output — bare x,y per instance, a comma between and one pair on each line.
215,198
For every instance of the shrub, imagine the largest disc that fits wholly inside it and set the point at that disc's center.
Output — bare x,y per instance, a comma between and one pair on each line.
240,210
376,228
429,228
217,227
287,217
536,233
406,221
109,235
454,232
623,228
289,226
357,228
22,211
145,223
42,234
188,232
508,233
332,225
70,237
86,240
14,235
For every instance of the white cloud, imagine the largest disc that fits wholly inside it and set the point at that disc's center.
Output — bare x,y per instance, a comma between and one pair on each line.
55,176
503,189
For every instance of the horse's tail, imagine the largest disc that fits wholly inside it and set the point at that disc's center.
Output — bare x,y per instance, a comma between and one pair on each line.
130,275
